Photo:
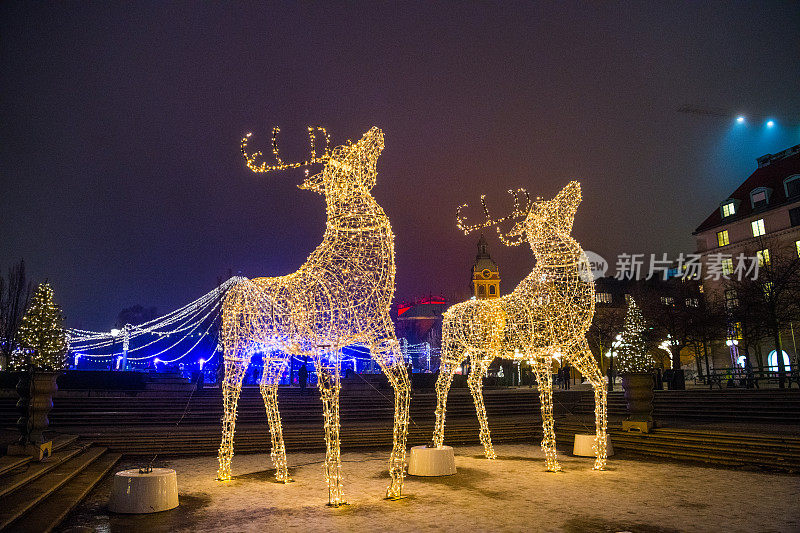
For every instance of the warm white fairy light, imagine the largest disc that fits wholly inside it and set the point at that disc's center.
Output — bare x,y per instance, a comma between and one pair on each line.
338,297
42,337
631,351
549,312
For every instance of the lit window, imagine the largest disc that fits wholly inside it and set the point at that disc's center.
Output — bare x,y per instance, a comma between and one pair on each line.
728,209
491,289
797,246
692,302
722,238
727,266
763,257
668,300
758,227
604,297
731,299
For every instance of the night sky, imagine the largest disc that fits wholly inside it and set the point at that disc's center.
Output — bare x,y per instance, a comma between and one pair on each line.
122,181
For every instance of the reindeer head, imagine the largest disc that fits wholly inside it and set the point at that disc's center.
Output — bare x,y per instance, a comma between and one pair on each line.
347,169
549,218
536,222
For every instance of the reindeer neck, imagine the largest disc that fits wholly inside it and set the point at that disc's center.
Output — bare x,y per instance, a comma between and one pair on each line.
561,252
356,212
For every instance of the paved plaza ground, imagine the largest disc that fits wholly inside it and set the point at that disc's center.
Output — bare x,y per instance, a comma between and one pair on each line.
513,493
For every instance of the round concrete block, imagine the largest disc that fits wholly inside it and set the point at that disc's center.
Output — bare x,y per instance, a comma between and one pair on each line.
432,461
583,445
133,492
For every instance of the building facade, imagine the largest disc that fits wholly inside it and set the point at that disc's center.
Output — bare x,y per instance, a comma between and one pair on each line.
759,220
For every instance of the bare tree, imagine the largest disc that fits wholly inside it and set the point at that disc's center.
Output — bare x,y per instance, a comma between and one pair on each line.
708,321
607,323
15,293
136,315
768,302
669,308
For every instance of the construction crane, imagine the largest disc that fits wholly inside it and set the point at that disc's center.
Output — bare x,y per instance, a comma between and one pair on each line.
704,111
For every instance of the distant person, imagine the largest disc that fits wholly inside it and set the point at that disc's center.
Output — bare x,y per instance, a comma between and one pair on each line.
220,373
302,376
748,370
565,371
198,379
659,380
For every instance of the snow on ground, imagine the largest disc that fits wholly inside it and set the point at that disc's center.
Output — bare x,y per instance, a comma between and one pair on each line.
513,493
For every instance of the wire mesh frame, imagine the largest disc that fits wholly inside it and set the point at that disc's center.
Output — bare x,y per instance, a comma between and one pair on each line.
339,296
545,317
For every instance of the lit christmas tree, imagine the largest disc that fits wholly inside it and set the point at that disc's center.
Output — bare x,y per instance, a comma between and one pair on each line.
631,352
42,332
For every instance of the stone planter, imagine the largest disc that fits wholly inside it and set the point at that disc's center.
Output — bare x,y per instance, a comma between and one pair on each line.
43,386
35,392
638,388
23,406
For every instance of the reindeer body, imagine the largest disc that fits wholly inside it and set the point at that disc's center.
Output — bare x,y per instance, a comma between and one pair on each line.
304,308
339,296
546,315
519,328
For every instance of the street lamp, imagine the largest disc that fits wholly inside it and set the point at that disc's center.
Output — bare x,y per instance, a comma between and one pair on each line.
611,353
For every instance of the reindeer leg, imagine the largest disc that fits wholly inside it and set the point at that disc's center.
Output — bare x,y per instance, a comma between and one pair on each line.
544,381
447,369
390,359
235,368
585,363
273,370
475,381
329,387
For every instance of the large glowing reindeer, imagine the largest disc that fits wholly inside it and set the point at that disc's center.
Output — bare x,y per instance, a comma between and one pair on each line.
339,296
545,317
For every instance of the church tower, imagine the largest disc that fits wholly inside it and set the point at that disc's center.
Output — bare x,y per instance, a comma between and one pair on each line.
485,274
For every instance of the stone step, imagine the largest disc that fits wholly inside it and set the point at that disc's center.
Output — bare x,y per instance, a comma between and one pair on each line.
11,462
256,438
703,446
22,500
48,514
17,478
738,451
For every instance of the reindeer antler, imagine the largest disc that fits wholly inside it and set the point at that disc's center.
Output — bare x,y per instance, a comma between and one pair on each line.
280,165
516,212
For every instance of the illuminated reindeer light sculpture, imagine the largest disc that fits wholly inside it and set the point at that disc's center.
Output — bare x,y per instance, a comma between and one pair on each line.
547,315
339,296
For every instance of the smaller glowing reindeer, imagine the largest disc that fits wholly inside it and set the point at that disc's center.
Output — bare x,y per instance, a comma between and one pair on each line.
339,296
546,316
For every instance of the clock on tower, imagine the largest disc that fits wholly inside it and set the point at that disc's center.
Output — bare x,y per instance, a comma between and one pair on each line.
485,274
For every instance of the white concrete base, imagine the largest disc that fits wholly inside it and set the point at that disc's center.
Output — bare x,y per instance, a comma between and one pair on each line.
136,493
583,445
432,461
